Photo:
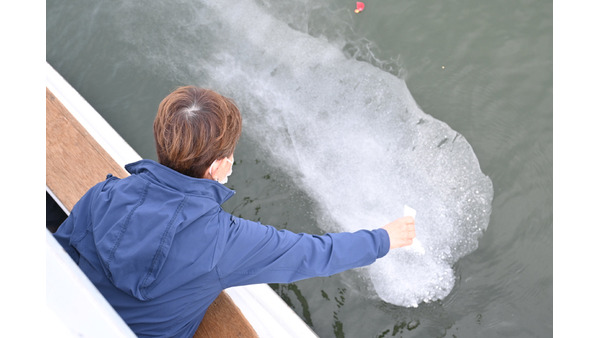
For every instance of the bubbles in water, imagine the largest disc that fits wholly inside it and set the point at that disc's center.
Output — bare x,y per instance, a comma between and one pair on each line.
349,134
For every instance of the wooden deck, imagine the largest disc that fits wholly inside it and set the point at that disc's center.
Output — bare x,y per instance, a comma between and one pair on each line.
75,162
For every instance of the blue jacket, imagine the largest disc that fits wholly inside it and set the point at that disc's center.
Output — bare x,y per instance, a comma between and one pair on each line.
160,248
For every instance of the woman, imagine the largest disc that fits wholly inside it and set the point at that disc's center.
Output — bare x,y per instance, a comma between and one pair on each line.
160,248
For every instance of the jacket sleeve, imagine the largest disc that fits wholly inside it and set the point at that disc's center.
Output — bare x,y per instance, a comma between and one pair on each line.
256,253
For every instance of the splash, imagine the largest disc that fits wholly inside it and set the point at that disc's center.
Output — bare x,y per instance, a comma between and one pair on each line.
347,132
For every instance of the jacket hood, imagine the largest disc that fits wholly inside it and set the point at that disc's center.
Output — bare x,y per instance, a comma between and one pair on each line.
155,215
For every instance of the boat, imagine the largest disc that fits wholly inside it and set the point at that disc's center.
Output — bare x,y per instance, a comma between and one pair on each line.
81,149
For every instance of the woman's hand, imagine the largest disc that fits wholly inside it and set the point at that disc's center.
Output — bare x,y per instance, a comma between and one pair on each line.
401,232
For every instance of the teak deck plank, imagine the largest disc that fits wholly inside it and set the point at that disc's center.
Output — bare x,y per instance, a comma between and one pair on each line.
75,162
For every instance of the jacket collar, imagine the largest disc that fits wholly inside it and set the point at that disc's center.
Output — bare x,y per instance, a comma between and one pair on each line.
164,175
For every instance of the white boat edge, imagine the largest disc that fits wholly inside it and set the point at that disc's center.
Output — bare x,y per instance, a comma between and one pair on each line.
78,307
268,314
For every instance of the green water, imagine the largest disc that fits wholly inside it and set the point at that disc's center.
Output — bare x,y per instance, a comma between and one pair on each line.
482,67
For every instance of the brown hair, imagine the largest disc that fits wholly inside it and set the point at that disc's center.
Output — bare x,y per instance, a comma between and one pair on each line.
193,128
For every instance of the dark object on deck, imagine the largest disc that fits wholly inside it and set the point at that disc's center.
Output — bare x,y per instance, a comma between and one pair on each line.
54,214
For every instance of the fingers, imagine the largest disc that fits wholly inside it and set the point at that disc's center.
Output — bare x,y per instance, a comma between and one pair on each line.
405,242
401,231
409,235
407,224
408,230
407,220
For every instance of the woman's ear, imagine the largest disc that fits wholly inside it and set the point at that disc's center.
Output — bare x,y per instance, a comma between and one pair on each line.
218,166
218,163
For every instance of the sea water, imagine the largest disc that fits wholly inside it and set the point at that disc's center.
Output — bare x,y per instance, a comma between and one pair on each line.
339,135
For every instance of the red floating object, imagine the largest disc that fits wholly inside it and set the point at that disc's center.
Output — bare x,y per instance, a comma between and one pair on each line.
359,7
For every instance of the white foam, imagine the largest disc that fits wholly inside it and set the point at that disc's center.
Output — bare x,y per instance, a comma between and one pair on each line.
348,133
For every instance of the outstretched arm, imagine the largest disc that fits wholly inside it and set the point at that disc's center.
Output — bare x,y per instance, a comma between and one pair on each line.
257,253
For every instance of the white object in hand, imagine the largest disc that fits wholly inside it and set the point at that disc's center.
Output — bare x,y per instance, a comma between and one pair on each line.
416,246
